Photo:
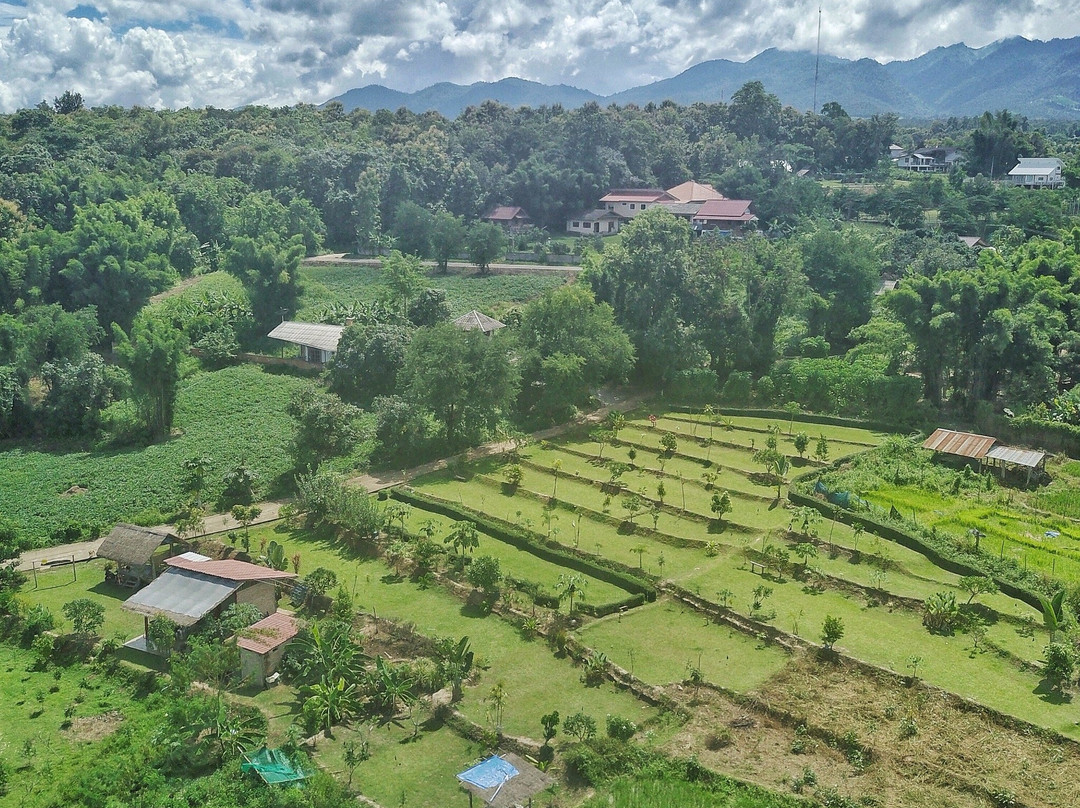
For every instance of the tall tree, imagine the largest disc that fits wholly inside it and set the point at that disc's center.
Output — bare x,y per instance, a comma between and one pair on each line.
151,354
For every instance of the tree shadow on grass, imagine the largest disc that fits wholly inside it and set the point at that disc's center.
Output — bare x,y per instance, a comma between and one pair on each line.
1051,694
393,578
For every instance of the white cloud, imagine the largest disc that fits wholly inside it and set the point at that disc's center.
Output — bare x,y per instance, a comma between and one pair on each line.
231,52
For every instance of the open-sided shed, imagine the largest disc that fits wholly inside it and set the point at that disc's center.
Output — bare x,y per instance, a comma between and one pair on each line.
132,548
505,780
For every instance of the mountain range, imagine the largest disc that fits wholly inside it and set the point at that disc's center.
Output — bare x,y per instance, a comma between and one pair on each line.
1038,79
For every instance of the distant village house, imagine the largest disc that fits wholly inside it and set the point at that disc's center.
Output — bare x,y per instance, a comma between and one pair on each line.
705,208
510,218
317,342
1038,172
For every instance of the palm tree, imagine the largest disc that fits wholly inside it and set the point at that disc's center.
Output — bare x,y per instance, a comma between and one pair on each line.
571,585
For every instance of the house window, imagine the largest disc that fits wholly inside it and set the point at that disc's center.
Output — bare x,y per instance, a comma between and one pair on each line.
577,224
610,207
631,206
643,206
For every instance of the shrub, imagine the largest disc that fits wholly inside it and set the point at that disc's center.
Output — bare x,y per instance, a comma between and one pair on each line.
832,631
1059,665
513,475
581,726
621,729
941,613
719,739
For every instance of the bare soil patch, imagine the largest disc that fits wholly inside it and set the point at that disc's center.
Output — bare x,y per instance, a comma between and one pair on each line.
94,727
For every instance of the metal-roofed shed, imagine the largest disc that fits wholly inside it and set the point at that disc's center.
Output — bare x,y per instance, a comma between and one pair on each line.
318,341
961,444
1004,457
184,596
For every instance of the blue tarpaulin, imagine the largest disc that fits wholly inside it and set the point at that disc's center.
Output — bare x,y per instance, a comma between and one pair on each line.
490,773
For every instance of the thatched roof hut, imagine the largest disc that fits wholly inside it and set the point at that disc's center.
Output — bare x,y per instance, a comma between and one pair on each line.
132,548
478,321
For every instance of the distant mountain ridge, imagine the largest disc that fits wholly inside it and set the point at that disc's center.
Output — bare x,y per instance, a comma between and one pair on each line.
1033,78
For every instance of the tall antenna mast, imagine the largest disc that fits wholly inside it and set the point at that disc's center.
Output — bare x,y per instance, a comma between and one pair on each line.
817,59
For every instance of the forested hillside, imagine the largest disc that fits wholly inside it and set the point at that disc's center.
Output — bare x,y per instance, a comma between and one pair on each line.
100,209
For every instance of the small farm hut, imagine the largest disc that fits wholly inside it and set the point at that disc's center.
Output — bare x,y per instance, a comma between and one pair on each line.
987,452
504,781
262,645
132,548
318,342
194,587
478,321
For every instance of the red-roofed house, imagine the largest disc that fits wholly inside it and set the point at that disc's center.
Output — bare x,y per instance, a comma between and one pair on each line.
691,191
509,217
195,587
262,645
724,214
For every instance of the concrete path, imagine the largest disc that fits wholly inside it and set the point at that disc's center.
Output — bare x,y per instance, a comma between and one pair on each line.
455,266
48,557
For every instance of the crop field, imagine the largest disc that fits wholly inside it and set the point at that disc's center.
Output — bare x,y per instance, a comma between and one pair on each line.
1035,527
333,283
569,495
231,415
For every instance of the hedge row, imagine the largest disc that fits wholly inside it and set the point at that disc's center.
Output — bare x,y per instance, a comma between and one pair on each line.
801,417
548,551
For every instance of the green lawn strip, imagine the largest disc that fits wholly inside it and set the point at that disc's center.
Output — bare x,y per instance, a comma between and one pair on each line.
753,439
888,638
520,564
403,770
232,415
657,641
579,457
666,792
536,682
55,587
849,434
32,708
595,536
328,284
747,515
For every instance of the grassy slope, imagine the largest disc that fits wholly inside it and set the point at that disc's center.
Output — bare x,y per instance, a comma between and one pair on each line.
229,415
335,284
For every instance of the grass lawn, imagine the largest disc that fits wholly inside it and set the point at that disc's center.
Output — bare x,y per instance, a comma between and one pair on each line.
404,770
231,415
326,284
36,750
535,681
56,587
642,641
518,563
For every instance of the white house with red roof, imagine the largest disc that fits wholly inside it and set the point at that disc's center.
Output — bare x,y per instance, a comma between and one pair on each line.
262,645
699,203
732,215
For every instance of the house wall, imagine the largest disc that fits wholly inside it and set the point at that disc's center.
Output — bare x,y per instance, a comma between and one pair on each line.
261,594
253,668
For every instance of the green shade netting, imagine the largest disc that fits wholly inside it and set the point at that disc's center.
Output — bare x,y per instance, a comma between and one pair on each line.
273,766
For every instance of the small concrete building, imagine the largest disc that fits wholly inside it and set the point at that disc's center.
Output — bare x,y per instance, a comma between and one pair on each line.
262,645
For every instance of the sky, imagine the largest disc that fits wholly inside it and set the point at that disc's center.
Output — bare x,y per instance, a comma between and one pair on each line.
227,53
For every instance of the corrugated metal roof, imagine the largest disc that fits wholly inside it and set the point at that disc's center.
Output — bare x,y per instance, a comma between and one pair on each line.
269,633
726,210
312,335
1021,457
963,444
185,597
507,213
230,569
1036,165
636,195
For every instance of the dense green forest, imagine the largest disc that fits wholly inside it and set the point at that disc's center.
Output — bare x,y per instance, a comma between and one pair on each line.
100,209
